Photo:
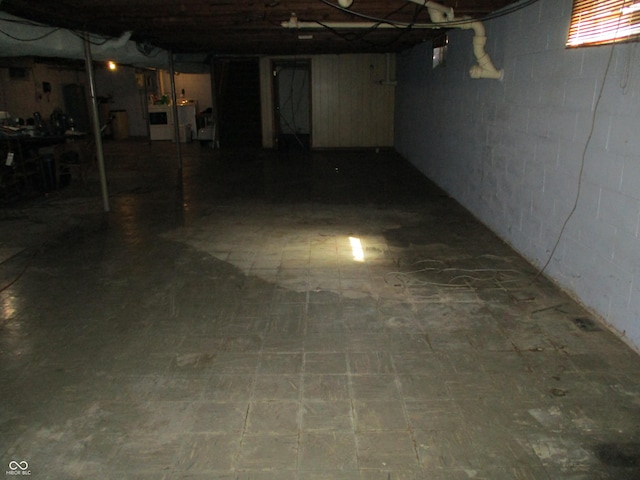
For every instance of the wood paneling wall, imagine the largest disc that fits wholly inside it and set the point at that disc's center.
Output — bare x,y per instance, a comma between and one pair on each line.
350,106
266,103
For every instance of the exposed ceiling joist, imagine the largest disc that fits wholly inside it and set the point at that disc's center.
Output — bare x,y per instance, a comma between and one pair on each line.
244,27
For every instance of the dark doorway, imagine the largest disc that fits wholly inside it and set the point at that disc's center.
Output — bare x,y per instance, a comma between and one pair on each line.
292,94
239,102
75,103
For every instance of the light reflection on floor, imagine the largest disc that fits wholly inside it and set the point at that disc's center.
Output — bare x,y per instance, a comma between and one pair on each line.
301,317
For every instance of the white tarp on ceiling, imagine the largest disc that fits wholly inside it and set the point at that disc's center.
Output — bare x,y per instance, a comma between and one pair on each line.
20,37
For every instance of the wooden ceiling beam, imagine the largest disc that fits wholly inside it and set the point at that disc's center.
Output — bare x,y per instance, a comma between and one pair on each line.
242,26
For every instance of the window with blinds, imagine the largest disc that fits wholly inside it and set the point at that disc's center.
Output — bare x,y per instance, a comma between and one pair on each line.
599,22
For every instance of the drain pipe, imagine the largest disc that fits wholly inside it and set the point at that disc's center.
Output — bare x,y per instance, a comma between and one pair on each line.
440,14
441,17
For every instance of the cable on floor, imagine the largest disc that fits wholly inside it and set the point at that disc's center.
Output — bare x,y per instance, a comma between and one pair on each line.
463,281
22,272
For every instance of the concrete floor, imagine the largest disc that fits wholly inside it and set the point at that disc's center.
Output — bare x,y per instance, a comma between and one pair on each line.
293,316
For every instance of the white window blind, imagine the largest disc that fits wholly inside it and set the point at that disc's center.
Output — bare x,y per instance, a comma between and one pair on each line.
598,22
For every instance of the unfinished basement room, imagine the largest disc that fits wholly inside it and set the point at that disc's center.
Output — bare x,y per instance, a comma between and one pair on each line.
320,239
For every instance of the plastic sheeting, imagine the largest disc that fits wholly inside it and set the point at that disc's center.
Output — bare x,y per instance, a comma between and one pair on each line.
20,37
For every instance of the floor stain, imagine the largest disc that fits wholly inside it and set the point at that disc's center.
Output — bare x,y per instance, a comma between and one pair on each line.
619,454
586,324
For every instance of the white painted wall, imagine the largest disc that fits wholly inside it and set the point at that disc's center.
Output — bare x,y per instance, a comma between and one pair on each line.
123,90
511,152
125,94
196,86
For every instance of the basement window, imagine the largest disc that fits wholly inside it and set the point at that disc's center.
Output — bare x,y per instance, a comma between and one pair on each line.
440,50
601,22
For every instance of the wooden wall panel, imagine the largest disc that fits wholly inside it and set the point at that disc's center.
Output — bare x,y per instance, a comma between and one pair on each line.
350,107
266,103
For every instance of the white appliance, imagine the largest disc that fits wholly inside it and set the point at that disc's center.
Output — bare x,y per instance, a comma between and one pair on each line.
161,125
161,122
187,111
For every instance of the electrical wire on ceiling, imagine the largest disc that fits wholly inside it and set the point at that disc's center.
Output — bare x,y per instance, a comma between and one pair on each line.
490,16
416,12
51,32
361,34
351,36
24,21
34,39
405,27
144,49
384,19
92,42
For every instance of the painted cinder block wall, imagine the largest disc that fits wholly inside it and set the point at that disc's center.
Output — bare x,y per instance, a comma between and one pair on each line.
511,152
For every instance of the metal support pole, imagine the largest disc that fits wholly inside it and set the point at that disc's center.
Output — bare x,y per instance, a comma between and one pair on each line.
214,67
95,122
174,102
145,102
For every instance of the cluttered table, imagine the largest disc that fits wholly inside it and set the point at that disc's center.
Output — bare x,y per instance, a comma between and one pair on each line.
31,164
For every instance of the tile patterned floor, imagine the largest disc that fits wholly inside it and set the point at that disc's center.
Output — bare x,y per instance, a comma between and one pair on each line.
295,316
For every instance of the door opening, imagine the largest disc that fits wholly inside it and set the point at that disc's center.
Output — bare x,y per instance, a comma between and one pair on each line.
292,102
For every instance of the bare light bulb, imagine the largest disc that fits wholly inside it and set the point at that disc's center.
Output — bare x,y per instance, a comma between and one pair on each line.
345,3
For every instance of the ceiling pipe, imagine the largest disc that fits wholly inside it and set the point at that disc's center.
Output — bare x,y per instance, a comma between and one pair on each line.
293,22
441,16
447,12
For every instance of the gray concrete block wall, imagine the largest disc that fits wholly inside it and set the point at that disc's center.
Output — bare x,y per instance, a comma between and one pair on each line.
511,152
